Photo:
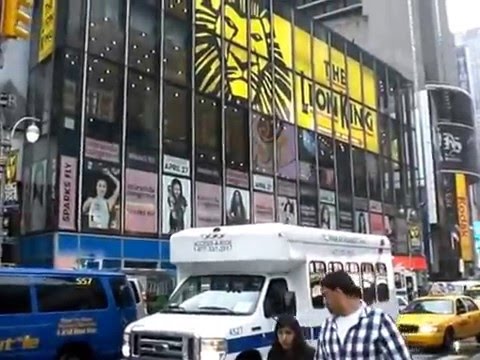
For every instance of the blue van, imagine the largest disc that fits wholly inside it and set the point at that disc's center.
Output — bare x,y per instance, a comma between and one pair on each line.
50,314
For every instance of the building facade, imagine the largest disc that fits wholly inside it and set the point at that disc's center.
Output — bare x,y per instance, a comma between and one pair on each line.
163,115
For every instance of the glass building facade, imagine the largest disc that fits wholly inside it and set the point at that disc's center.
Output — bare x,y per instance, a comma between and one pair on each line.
163,115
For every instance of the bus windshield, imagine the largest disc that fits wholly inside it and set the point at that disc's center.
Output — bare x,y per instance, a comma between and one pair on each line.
219,294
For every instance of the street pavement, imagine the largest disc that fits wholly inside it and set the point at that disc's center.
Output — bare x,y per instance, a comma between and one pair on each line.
468,349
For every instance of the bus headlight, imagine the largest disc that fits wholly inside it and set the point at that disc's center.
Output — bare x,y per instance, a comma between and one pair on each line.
213,349
126,345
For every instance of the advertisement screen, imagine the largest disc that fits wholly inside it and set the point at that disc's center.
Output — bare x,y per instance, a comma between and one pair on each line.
287,210
38,197
277,87
67,193
141,201
177,213
237,206
209,205
101,186
328,218
263,208
286,152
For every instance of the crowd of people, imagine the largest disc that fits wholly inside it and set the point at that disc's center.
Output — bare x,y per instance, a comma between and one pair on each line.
354,331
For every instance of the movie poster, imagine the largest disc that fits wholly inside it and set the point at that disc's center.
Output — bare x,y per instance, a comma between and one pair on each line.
237,206
328,218
209,205
177,204
101,186
287,210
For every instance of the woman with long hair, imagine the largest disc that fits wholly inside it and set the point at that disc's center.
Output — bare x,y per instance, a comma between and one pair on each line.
289,342
325,217
237,213
178,205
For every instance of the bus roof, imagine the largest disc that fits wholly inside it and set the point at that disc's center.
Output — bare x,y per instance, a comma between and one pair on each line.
55,272
263,245
292,233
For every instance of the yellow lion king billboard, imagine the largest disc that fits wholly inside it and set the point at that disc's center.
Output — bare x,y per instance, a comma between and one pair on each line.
331,87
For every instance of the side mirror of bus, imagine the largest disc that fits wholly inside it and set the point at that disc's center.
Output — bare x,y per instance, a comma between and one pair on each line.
290,303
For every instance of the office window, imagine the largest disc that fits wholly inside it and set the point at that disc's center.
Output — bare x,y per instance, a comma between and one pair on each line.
374,175
263,135
104,105
326,162
307,155
344,173
208,131
176,118
177,50
388,181
107,29
359,172
71,25
237,144
144,36
178,8
286,151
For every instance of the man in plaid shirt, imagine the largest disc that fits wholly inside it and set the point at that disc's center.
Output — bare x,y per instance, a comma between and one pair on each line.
356,331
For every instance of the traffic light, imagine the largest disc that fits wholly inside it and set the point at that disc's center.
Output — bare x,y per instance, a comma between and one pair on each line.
15,20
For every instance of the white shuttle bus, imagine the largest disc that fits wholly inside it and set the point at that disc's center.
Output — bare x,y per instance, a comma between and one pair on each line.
234,280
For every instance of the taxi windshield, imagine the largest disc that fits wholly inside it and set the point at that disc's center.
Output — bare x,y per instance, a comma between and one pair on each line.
430,306
219,294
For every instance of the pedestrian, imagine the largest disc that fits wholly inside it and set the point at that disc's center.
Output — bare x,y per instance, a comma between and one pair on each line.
289,341
355,331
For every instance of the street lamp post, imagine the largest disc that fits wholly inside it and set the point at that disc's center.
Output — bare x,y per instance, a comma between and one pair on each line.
32,134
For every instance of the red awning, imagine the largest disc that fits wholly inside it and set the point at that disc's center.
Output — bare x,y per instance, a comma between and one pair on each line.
418,263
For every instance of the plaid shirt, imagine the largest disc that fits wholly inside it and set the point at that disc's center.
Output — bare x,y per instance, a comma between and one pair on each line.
374,337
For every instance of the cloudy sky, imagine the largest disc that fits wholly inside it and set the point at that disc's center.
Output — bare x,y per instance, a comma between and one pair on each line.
463,14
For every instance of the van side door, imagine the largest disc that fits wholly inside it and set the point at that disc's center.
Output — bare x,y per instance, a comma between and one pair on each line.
18,336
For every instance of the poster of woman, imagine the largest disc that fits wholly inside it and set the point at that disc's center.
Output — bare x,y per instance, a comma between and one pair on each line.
38,207
287,210
101,196
237,206
362,222
176,204
327,217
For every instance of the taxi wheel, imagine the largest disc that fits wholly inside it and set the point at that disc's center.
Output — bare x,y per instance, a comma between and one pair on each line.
448,339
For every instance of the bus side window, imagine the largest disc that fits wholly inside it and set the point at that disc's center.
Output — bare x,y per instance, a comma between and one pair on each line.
335,266
316,275
398,280
354,271
383,293
368,283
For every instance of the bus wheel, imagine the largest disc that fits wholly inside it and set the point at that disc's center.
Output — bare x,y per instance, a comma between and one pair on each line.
75,352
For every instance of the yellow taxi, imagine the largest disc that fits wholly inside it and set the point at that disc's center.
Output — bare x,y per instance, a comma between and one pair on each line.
437,321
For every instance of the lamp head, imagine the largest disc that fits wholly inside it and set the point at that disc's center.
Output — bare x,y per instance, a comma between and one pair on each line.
32,133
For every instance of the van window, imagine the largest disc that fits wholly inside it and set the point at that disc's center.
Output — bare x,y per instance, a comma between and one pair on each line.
15,295
317,271
122,298
70,293
335,266
368,283
354,271
135,291
274,299
383,292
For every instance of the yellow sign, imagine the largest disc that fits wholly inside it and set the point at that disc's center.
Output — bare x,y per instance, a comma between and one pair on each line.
46,42
19,343
331,95
12,166
463,215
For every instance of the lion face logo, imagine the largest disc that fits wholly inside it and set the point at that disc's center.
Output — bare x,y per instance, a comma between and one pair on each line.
266,84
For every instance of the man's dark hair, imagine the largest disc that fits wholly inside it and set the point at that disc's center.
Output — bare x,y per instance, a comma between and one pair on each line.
342,281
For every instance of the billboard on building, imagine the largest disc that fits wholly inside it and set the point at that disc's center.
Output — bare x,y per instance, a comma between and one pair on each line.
342,89
463,218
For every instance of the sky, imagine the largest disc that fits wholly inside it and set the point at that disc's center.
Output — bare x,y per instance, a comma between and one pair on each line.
463,15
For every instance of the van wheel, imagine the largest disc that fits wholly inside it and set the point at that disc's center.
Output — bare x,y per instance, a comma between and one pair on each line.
69,356
448,339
